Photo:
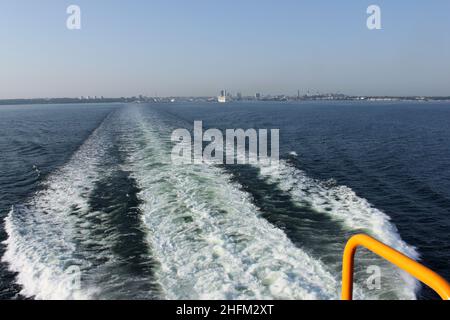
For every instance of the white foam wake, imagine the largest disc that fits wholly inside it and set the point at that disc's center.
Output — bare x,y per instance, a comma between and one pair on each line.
209,238
206,234
43,235
342,204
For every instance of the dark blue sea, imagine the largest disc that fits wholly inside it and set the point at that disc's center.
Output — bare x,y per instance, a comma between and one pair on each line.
89,192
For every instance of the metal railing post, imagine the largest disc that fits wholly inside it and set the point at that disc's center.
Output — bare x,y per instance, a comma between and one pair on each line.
417,270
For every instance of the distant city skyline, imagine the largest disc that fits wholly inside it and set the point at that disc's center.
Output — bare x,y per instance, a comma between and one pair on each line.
197,48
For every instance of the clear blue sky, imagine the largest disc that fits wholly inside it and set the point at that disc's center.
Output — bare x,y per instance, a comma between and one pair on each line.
197,47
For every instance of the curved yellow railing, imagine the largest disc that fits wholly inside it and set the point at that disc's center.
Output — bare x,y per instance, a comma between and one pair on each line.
422,273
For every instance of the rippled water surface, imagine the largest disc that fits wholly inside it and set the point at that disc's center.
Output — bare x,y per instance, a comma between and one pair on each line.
93,186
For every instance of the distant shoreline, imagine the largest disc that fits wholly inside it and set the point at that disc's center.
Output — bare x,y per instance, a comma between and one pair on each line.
279,98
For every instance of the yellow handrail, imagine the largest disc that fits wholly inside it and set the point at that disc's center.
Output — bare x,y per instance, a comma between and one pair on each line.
422,273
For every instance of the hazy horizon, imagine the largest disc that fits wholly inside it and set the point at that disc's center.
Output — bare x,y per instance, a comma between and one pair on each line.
179,48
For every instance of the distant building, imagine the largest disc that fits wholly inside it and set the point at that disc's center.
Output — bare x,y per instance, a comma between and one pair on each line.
258,96
239,96
223,96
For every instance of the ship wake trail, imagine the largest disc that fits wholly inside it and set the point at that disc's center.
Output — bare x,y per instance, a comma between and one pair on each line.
43,235
138,226
52,232
354,213
209,239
